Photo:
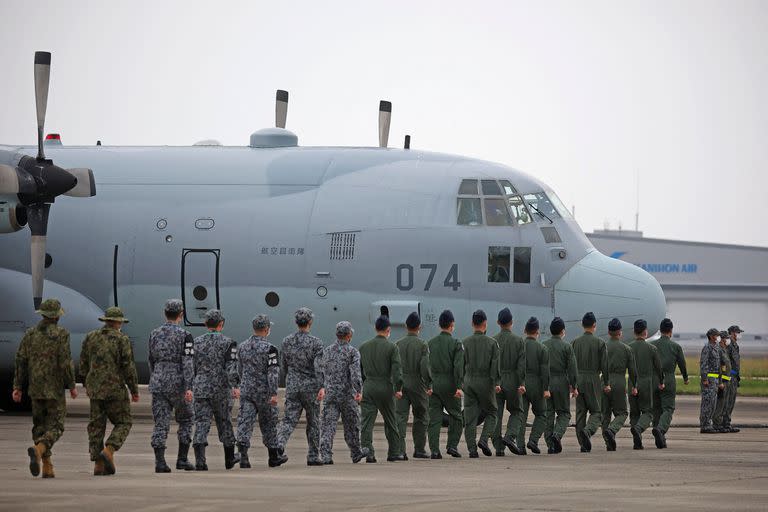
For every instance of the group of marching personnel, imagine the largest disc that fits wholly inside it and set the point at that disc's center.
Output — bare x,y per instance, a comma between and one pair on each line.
197,379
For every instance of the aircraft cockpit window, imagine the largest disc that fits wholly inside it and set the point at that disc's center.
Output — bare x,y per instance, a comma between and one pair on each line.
509,190
468,188
491,188
519,211
541,207
522,269
559,206
469,212
496,213
498,264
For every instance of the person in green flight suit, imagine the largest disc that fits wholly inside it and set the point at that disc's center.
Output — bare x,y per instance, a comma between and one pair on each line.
446,362
592,362
382,383
512,370
481,382
563,384
648,369
621,360
536,387
417,386
671,355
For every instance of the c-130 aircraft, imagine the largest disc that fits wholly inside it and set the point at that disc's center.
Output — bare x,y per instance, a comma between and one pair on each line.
351,232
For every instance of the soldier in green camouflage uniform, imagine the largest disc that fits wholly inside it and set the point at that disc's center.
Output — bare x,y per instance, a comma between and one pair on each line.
733,353
107,367
710,364
563,383
621,360
671,355
723,394
44,367
512,370
648,370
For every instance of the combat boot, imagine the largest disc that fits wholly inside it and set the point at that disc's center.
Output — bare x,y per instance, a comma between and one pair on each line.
658,437
47,468
510,443
244,462
98,467
533,447
637,438
453,452
35,455
275,458
160,464
483,445
364,452
610,440
420,454
229,457
200,462
557,445
107,456
584,441
182,462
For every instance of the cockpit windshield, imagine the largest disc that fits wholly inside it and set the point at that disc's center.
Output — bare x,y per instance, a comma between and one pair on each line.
491,203
542,207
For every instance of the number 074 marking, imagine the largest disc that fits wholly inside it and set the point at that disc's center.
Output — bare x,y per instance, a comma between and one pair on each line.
404,276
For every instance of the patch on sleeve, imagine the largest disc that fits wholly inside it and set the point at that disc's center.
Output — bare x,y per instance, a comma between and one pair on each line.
189,346
461,345
233,353
272,356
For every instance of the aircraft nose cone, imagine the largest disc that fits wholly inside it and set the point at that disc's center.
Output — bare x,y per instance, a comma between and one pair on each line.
610,288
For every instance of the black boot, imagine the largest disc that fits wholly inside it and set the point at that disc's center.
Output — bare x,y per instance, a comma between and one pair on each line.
275,458
244,462
160,465
229,457
182,462
200,464
637,438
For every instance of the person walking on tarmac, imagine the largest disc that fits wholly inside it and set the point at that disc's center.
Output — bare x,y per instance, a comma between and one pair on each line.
648,370
671,355
563,384
592,362
621,361
536,387
512,370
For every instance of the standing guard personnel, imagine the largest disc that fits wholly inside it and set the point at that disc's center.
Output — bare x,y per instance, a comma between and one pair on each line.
649,370
301,356
216,380
536,388
481,382
417,386
258,373
709,366
382,383
723,394
563,384
512,371
592,361
621,360
342,391
446,361
733,353
107,367
172,371
671,355
44,366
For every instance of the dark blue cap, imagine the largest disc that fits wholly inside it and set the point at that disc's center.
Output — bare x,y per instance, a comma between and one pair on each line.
614,325
382,323
666,325
413,321
478,317
640,325
505,316
532,325
557,326
589,320
446,319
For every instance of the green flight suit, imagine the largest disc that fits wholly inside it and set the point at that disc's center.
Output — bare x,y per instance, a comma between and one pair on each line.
723,395
621,360
563,376
592,362
382,378
512,371
536,383
648,369
417,378
446,362
481,376
671,355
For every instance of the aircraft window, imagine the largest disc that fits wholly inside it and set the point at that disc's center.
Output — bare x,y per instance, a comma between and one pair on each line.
559,206
541,207
469,212
468,188
508,188
496,213
519,211
498,264
522,270
490,188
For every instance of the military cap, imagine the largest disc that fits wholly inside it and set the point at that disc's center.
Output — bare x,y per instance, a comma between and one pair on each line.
113,314
50,308
713,332
213,317
173,307
505,316
589,320
532,325
724,334
666,325
478,317
344,328
304,316
640,325
446,319
614,325
261,322
382,323
735,328
556,326
413,321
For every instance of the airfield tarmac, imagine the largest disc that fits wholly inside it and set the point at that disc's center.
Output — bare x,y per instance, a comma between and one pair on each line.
712,472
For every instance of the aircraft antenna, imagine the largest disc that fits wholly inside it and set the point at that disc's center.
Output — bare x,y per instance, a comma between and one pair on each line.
281,108
385,117
407,144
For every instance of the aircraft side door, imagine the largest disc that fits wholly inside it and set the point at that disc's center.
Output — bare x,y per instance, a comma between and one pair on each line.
199,283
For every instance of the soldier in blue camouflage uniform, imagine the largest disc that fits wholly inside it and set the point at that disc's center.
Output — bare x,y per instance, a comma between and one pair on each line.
171,370
301,353
216,381
44,366
342,390
259,371
712,359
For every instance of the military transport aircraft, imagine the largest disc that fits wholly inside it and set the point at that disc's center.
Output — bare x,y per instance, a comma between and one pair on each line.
349,232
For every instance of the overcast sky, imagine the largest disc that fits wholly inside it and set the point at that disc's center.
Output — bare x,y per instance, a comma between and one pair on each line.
584,95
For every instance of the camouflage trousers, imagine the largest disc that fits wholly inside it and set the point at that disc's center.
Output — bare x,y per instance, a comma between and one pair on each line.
118,412
162,406
220,408
708,402
349,411
721,418
48,421
294,404
250,409
731,402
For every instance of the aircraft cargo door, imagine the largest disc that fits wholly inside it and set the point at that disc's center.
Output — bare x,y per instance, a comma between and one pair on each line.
199,283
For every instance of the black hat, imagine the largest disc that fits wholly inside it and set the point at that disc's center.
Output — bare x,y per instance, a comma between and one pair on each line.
413,321
724,334
713,332
666,325
589,320
640,325
532,325
614,325
478,317
446,319
557,326
505,316
382,323
735,328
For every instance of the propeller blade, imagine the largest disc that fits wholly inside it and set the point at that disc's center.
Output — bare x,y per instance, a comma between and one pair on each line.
42,79
15,181
86,185
37,217
385,116
281,108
